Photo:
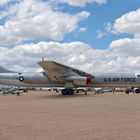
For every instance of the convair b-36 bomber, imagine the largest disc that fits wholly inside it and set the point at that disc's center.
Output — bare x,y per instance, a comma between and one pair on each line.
58,75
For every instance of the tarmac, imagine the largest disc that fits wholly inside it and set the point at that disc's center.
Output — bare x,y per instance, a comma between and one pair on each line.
50,116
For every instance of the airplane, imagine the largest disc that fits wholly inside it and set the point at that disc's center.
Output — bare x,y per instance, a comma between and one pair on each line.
55,74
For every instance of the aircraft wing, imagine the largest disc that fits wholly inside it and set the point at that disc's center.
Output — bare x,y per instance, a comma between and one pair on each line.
57,71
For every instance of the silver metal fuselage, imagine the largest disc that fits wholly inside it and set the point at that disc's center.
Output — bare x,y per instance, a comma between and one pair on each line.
99,80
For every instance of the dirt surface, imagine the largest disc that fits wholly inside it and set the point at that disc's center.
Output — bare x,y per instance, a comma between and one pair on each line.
43,116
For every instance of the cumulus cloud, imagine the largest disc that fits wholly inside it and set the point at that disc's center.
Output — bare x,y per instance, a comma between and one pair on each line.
68,53
36,20
119,57
79,3
127,50
128,23
4,2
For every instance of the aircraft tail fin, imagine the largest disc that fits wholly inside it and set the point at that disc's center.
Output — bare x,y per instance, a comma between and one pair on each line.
3,70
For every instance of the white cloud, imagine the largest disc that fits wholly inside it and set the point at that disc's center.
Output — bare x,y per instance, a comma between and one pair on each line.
82,29
108,29
128,23
4,2
124,53
32,19
108,26
76,54
79,3
100,34
30,22
122,56
128,48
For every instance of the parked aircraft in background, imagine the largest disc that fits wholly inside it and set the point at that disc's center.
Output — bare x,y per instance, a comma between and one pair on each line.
59,75
102,90
14,90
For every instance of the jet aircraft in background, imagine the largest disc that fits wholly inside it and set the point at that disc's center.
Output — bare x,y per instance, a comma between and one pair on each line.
59,75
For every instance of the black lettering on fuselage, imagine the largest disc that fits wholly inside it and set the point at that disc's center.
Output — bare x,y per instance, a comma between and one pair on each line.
122,79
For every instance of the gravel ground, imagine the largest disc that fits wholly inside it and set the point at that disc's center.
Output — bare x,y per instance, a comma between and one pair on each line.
42,116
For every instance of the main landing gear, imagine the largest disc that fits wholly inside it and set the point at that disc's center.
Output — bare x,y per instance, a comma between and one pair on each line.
137,90
67,91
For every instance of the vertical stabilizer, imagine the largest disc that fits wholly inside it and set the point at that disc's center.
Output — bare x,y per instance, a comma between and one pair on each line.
3,70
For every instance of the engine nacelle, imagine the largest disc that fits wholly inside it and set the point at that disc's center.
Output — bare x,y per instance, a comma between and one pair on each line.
79,80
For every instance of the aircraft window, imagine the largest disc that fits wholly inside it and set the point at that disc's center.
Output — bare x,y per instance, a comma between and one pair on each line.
138,75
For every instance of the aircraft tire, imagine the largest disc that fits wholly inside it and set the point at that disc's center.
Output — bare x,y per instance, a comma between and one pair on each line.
127,92
64,92
67,91
137,91
70,91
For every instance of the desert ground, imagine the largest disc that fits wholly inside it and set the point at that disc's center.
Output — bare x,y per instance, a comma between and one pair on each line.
50,116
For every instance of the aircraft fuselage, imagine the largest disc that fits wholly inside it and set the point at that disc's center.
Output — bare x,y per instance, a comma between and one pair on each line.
99,80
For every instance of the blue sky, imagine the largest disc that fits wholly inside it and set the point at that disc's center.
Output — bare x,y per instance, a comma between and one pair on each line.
88,34
100,15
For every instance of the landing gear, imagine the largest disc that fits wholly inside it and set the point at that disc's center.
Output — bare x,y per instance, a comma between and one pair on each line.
132,90
127,91
67,91
137,90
